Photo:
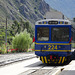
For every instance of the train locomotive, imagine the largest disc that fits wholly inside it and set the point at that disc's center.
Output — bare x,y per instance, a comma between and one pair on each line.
53,40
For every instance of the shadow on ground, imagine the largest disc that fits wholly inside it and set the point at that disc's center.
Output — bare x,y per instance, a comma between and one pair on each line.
40,64
73,56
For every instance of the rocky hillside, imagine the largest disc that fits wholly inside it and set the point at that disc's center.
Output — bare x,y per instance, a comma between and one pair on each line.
31,10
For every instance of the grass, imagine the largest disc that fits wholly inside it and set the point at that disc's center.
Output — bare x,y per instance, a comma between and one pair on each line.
3,49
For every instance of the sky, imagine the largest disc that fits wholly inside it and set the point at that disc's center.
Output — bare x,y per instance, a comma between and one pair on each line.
67,7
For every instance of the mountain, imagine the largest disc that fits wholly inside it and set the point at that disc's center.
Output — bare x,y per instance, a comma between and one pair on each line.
67,7
28,10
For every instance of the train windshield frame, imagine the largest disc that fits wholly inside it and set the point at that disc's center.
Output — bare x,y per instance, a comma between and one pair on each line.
50,34
60,34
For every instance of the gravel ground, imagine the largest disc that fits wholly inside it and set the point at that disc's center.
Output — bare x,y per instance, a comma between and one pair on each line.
41,72
7,58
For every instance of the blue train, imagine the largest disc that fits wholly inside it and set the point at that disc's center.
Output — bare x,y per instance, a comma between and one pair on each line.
53,40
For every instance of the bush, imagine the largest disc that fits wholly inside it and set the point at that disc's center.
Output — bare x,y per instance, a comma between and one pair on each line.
22,41
13,51
33,46
3,49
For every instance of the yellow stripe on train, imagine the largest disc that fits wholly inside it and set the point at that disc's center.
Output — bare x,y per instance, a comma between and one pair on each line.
45,59
53,43
55,50
42,59
63,59
60,59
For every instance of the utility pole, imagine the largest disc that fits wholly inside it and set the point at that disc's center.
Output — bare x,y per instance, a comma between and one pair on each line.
6,35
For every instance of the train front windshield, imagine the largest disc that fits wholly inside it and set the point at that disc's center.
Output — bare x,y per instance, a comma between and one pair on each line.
43,34
60,34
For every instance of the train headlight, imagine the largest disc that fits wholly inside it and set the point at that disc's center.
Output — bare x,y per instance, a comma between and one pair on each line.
39,22
66,22
61,22
44,22
45,47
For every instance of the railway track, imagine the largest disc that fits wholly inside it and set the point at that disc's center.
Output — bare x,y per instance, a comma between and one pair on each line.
44,70
31,67
12,58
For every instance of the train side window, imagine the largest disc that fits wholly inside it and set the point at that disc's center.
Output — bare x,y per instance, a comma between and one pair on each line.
43,34
73,34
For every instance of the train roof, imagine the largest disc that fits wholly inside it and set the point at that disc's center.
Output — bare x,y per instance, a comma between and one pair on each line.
53,22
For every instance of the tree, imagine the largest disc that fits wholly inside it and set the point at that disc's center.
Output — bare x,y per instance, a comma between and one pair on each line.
27,25
16,27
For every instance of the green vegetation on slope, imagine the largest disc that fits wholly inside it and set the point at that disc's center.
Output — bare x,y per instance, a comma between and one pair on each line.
31,10
12,31
21,15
